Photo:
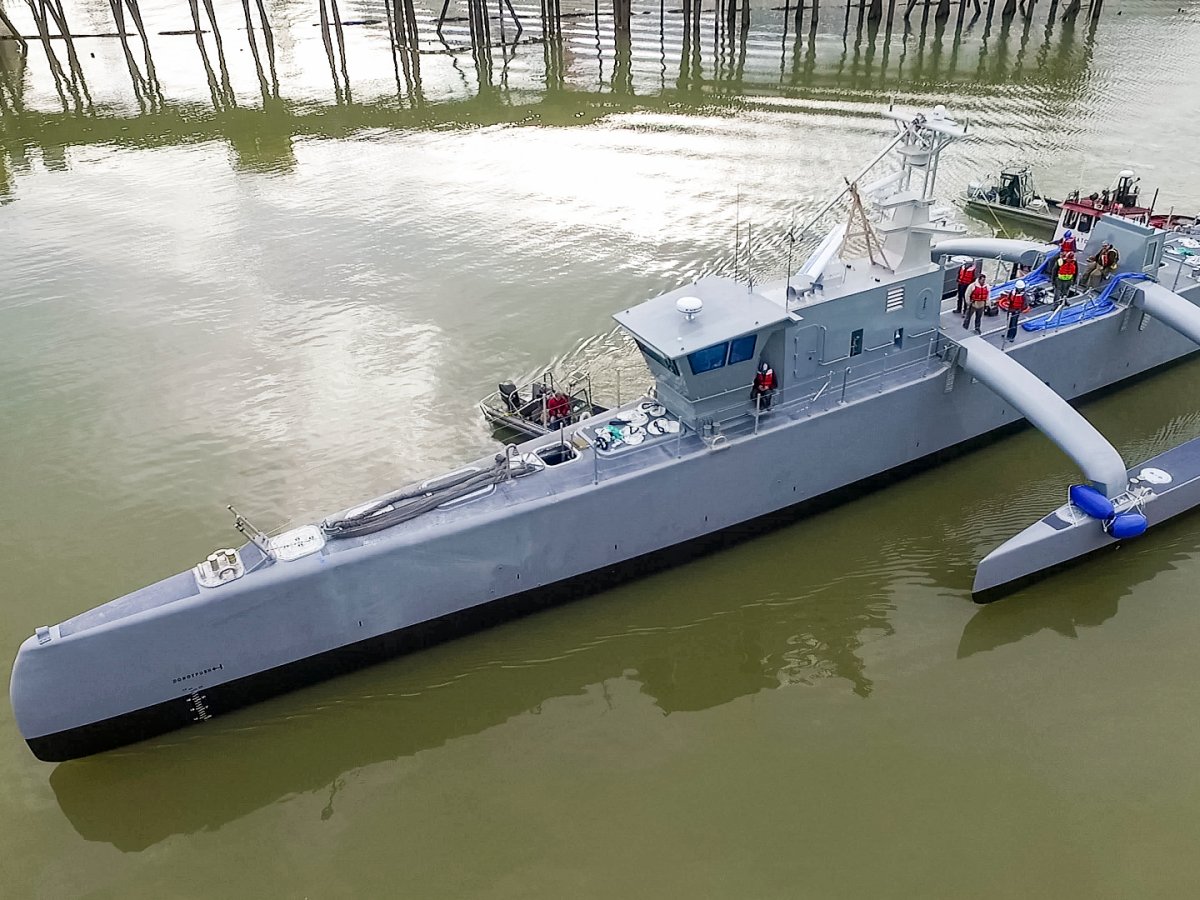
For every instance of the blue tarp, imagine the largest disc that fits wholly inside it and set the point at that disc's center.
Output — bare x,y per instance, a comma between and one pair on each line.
1093,308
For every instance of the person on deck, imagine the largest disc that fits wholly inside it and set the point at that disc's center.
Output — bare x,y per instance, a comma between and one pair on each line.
558,410
1105,261
1067,242
764,386
1017,304
966,275
1065,270
978,302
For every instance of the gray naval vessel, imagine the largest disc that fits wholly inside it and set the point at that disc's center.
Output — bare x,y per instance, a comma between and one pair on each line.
875,376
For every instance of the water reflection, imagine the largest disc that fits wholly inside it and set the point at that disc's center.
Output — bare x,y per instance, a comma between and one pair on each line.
1079,597
716,57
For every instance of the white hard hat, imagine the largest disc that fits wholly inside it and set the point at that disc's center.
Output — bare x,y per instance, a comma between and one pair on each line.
1020,285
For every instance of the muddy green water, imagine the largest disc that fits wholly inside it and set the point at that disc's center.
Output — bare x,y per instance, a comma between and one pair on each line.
295,308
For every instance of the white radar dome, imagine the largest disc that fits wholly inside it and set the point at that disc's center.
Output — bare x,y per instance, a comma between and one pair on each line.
689,306
1125,173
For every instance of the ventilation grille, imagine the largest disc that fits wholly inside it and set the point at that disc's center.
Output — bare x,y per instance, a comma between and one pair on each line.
895,298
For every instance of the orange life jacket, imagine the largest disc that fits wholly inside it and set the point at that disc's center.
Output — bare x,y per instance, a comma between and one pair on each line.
1106,258
1068,245
979,295
764,381
1067,268
1017,302
966,273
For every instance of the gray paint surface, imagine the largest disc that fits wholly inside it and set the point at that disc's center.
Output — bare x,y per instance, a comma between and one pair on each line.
559,522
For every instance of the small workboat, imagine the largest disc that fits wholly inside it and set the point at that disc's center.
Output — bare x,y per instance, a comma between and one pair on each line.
536,407
1013,196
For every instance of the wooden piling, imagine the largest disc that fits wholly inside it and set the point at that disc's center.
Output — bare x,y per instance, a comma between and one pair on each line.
55,11
253,41
341,42
61,82
141,86
226,85
217,99
327,40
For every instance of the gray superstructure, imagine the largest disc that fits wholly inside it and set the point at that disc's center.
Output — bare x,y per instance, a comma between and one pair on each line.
874,378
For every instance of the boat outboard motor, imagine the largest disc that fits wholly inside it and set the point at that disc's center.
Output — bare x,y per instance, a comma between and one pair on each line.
512,398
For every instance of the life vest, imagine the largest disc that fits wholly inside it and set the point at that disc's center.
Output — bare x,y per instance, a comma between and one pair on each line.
1106,258
1067,269
979,295
764,381
966,273
1067,244
1013,301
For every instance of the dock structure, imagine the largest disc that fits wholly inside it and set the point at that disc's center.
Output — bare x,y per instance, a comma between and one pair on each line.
486,31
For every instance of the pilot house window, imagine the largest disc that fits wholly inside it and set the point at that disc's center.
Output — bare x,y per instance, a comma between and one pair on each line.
663,361
725,353
742,349
709,358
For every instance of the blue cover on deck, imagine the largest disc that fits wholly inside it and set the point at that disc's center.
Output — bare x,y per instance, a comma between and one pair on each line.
1069,315
1091,309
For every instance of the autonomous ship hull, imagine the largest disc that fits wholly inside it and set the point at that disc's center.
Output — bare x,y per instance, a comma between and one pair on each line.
175,653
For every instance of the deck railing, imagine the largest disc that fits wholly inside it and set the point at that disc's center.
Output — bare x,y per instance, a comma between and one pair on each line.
742,416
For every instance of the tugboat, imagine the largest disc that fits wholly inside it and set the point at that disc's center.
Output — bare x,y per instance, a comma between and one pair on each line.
874,376
1079,215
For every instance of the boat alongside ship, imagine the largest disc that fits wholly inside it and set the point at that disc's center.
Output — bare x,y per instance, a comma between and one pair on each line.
864,344
1014,197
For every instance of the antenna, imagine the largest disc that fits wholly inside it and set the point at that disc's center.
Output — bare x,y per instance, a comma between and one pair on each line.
791,247
737,230
750,255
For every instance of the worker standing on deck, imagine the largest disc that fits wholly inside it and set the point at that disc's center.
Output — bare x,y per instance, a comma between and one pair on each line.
966,275
978,302
1105,261
764,386
1067,241
1017,304
1065,270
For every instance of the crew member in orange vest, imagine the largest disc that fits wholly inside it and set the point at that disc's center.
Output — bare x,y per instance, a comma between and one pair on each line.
1105,260
1067,241
1017,304
1065,270
764,386
966,275
978,303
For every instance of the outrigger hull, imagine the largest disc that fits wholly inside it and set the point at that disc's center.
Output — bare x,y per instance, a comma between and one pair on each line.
1162,487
